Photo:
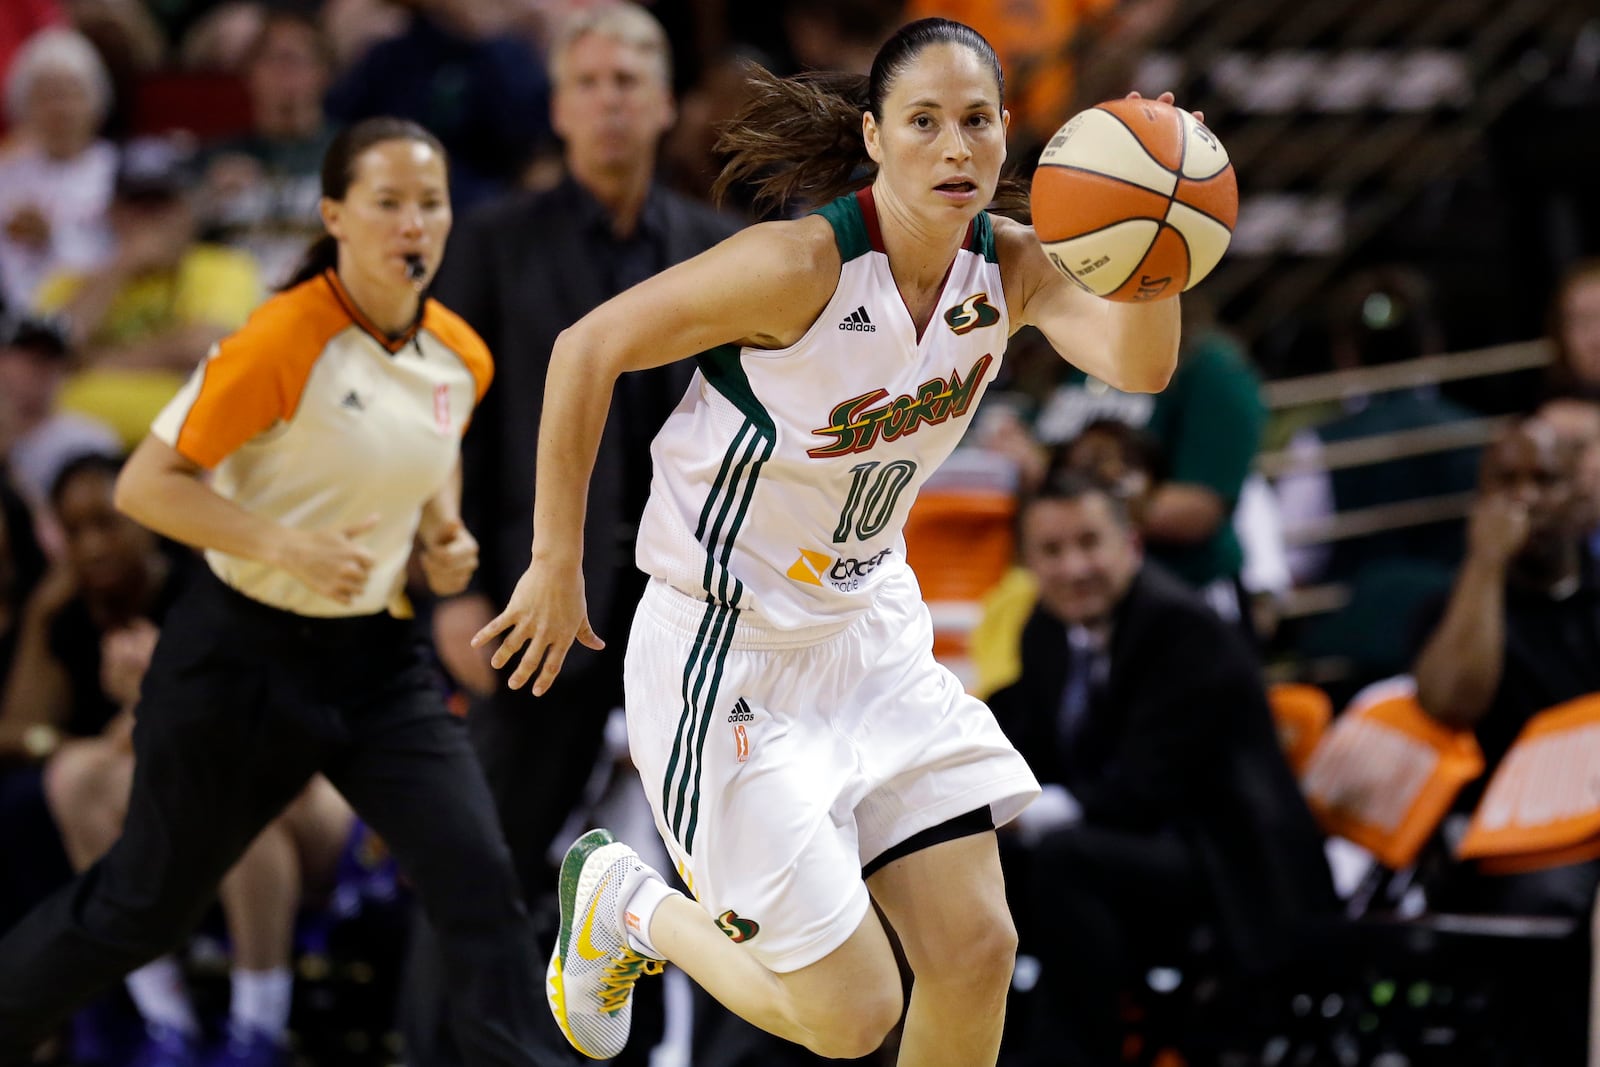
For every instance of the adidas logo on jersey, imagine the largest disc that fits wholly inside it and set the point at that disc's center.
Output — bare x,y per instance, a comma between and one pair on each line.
741,712
352,400
857,320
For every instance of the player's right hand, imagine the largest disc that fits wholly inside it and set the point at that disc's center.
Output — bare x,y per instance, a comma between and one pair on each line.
330,562
547,612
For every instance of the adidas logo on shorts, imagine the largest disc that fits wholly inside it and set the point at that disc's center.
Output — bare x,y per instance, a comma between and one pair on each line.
857,320
741,712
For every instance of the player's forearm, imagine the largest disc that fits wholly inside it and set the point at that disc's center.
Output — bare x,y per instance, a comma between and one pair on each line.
1145,338
577,399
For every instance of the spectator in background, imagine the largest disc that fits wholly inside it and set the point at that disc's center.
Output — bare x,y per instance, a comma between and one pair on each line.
25,827
37,440
1518,633
456,71
1378,317
520,272
20,20
223,38
262,189
142,321
69,705
1208,423
1167,799
1575,332
56,185
131,42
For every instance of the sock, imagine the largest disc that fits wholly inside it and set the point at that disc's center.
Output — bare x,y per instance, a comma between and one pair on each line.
158,992
639,903
261,1001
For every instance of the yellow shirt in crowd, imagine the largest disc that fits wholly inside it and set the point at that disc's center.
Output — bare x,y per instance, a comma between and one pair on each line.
211,285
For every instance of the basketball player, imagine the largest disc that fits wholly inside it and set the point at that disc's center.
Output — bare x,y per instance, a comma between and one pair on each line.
802,749
332,423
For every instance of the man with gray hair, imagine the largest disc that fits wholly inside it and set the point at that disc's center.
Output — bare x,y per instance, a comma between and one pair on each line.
521,271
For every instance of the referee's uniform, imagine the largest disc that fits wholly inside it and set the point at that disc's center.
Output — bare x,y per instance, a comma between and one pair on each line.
312,417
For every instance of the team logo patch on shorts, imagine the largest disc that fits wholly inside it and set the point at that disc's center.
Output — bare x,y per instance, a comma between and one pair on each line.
740,930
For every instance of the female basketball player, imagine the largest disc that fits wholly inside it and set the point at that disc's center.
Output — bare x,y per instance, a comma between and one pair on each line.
801,748
331,423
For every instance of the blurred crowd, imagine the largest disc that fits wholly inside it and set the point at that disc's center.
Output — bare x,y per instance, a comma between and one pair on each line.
159,175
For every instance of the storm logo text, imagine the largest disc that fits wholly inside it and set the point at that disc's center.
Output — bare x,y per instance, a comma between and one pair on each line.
855,425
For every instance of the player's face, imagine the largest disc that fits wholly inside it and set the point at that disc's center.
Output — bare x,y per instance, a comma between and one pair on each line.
943,136
611,105
398,205
1082,555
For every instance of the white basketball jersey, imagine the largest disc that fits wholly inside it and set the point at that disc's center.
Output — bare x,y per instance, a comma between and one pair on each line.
783,479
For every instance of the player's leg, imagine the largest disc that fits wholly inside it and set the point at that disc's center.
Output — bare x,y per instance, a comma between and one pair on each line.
619,918
947,906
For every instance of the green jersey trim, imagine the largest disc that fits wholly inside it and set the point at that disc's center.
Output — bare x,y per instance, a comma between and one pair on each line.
849,228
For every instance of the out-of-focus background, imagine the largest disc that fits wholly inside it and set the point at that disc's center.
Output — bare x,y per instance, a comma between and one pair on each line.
1404,333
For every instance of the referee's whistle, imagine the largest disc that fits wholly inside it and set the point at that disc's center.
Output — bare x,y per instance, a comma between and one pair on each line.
416,269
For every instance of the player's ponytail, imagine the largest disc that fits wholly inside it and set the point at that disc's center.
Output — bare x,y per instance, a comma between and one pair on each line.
797,139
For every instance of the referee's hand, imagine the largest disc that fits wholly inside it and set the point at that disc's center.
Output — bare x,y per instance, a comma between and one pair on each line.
330,562
546,614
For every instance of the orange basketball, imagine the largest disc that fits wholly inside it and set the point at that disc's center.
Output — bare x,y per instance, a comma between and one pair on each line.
1134,200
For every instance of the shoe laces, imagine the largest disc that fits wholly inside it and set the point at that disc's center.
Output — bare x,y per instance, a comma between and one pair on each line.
617,982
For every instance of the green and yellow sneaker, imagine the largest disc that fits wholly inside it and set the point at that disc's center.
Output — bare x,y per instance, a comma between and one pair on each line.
593,970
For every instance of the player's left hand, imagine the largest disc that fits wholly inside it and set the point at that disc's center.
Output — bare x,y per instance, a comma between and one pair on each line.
449,557
1168,98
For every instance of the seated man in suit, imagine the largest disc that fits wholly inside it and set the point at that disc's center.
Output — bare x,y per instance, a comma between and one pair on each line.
1167,800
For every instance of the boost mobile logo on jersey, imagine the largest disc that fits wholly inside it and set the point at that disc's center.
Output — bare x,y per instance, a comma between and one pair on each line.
855,424
845,575
973,313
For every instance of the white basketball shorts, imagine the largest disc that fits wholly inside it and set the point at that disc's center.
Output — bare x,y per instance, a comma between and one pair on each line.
778,764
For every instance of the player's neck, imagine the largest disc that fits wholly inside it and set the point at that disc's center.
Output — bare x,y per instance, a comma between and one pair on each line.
919,253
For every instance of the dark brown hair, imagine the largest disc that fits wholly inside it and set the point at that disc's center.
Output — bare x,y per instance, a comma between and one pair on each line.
800,138
339,170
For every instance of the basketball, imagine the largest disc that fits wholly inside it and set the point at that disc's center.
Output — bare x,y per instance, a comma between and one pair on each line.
1134,200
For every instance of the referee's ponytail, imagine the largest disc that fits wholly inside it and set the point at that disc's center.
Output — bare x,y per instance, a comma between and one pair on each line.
338,171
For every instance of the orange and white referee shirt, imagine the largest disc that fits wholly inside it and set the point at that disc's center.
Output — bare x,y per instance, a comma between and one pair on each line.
311,416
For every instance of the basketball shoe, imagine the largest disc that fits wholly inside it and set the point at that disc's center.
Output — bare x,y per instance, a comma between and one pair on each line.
593,970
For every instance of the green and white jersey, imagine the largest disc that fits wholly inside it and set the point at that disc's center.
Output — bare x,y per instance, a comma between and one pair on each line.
783,479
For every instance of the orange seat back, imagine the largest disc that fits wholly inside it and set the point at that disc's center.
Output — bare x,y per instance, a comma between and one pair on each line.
1542,807
1386,773
1301,713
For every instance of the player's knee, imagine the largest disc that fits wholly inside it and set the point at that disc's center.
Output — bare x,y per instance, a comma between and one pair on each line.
986,944
861,1029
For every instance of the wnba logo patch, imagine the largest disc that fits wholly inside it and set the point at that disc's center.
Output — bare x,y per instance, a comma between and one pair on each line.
741,742
441,407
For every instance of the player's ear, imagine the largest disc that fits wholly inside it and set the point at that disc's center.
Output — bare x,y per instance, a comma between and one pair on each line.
870,134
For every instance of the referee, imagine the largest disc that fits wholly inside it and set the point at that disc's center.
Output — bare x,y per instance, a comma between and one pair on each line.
331,424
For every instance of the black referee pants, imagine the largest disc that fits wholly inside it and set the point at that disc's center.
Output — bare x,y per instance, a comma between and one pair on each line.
242,705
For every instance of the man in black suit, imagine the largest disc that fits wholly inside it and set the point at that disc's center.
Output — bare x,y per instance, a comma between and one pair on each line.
520,272
1167,800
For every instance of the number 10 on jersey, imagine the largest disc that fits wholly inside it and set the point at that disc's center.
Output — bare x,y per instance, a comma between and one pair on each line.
875,489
